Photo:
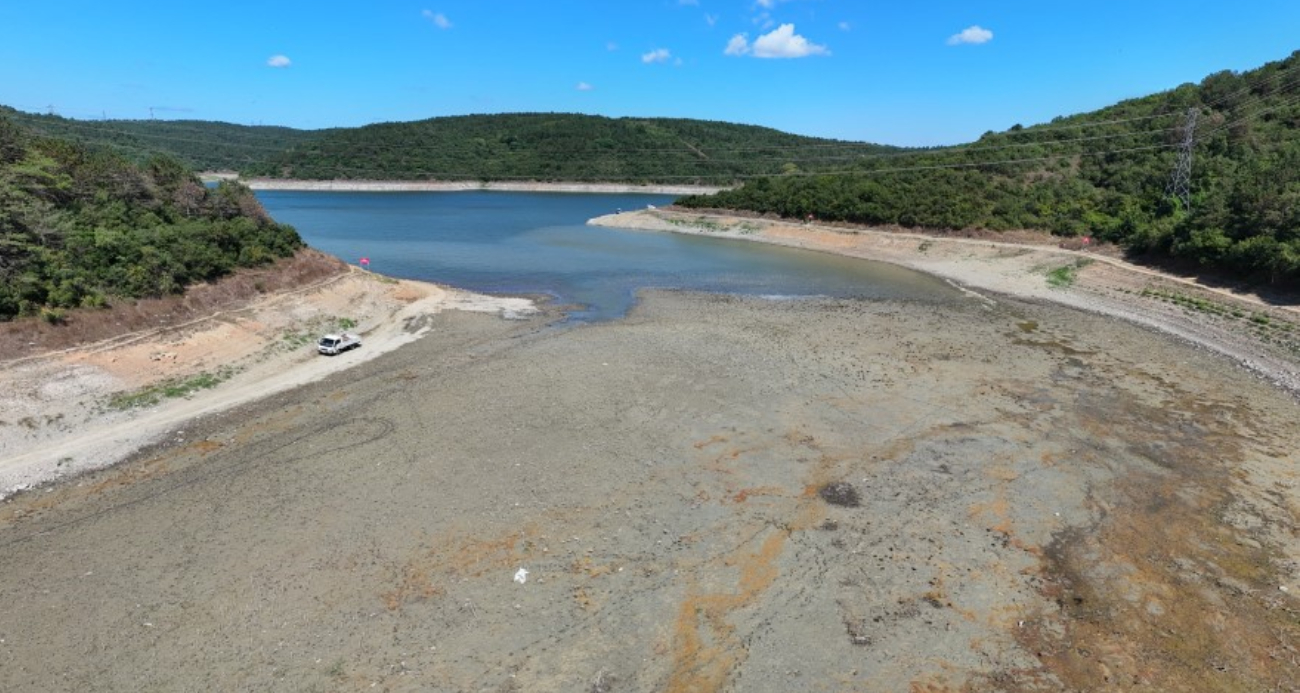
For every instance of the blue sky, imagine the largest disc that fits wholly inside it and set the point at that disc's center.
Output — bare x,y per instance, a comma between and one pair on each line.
906,73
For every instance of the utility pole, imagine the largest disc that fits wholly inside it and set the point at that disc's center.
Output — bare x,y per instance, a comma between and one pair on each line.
1180,185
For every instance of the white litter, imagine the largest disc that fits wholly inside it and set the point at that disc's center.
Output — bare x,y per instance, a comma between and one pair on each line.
521,576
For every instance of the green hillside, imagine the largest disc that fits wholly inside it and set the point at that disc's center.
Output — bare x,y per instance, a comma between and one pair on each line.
559,147
1104,174
514,146
82,226
200,145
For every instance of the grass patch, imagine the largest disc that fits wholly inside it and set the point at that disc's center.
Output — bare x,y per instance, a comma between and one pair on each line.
1065,276
168,389
699,223
1062,277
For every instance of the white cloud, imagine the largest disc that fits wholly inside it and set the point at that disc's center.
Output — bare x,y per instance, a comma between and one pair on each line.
769,4
844,26
439,19
583,86
973,35
658,55
738,45
278,61
779,43
711,19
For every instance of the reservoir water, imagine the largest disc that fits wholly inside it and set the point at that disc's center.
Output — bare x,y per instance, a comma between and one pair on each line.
539,243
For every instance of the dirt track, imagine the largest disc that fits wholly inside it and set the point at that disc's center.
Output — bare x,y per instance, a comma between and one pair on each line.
1046,500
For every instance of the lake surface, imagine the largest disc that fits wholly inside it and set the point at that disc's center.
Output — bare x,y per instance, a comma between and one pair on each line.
539,243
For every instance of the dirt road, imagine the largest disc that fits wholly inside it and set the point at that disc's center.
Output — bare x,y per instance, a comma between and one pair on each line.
714,494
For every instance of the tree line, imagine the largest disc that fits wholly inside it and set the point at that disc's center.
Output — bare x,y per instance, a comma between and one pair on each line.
81,226
1104,174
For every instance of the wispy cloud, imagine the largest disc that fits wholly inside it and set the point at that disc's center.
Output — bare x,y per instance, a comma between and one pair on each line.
738,45
658,55
583,86
711,19
611,46
973,35
439,19
845,26
278,61
781,42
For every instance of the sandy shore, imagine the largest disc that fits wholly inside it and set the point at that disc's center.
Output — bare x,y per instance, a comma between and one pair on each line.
459,186
717,493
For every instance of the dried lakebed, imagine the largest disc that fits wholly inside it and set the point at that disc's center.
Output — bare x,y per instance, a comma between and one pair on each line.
716,493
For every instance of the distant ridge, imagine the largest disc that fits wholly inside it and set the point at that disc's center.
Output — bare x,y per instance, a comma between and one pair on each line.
544,147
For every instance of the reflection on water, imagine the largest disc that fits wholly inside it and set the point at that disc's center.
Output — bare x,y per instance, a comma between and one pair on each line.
538,243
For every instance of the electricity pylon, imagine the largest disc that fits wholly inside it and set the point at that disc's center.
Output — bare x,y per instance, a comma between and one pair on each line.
1180,185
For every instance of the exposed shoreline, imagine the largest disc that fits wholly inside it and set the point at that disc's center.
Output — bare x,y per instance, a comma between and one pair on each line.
979,494
463,186
59,420
74,438
1261,337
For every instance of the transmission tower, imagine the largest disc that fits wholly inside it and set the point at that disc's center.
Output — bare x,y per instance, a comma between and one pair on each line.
1180,185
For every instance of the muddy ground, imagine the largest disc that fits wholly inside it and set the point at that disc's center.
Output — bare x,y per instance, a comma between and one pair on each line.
715,494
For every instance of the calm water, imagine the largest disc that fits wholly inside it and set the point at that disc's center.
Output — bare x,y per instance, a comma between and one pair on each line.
537,243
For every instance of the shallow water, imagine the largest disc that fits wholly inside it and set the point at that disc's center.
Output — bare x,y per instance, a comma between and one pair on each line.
539,243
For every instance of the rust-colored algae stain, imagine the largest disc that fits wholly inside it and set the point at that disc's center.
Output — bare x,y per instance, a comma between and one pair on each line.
745,494
413,584
206,446
705,648
1161,594
700,445
420,577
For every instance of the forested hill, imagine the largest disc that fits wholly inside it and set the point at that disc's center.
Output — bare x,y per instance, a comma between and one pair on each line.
515,146
200,145
1105,173
82,227
560,147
